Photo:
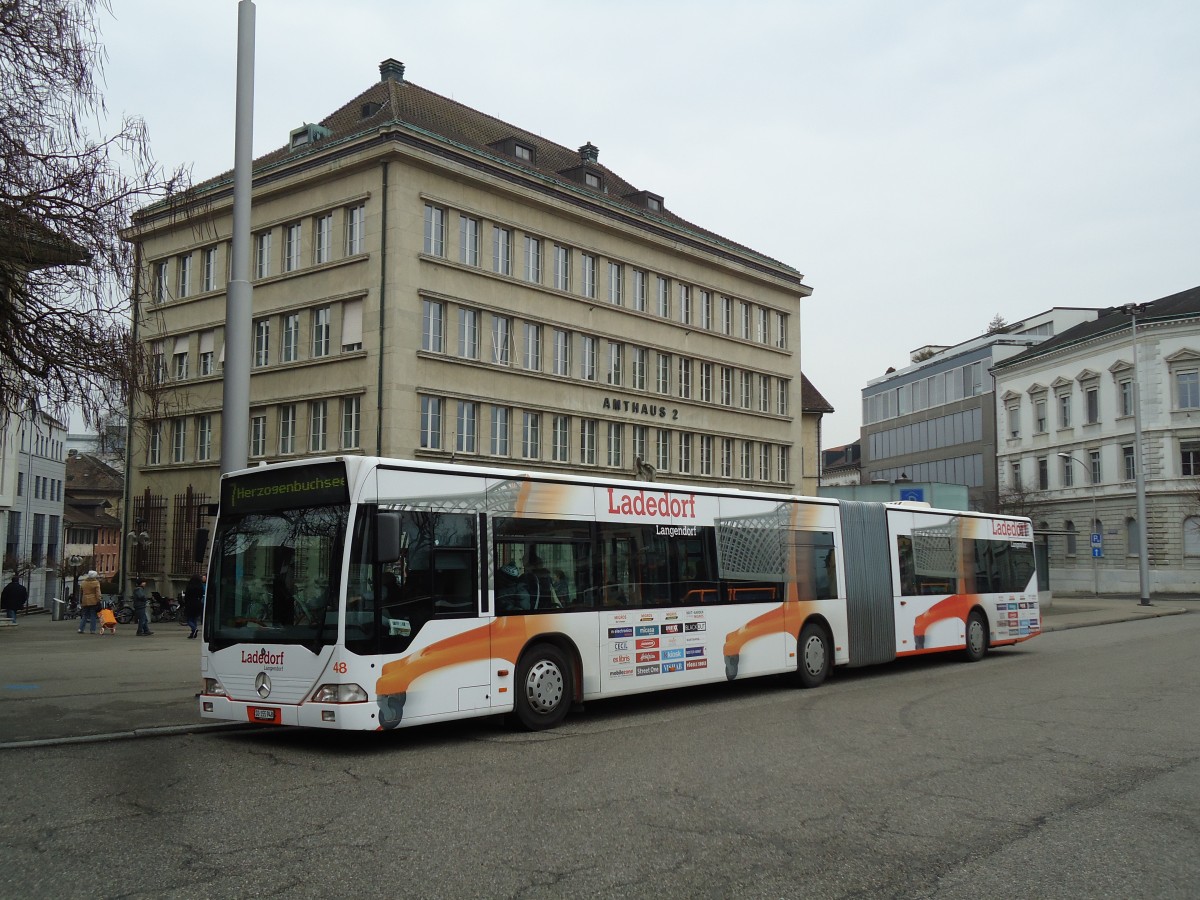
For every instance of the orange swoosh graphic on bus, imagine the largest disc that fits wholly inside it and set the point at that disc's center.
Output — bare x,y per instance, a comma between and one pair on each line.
956,606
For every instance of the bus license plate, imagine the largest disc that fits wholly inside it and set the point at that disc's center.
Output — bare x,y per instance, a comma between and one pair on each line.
264,714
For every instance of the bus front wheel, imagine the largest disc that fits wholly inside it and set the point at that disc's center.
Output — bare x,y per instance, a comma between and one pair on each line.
815,657
977,637
545,687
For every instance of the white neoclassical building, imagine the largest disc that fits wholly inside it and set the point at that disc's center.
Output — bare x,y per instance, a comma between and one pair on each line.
1066,449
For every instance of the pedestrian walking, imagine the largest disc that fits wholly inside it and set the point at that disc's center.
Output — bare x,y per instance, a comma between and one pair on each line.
89,602
141,607
14,597
193,602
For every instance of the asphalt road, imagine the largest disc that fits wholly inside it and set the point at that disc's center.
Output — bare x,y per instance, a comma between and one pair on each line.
1066,767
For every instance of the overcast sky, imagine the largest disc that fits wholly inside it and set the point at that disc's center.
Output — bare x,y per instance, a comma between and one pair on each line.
925,164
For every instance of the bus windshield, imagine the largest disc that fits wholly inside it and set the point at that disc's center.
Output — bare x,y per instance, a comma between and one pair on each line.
277,575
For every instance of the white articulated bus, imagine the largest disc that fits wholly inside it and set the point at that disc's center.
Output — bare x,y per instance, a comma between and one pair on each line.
366,593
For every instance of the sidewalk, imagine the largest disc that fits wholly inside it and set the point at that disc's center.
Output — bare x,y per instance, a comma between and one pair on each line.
59,686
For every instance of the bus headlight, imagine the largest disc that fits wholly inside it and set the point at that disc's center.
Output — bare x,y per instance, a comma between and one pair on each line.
213,688
339,693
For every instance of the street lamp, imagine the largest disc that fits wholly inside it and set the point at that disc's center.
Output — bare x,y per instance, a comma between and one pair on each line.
140,542
75,561
1132,309
1095,571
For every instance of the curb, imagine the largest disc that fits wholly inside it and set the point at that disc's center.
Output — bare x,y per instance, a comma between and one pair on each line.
156,731
1048,626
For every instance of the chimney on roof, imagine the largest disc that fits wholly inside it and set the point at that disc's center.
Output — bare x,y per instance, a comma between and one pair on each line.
391,70
589,153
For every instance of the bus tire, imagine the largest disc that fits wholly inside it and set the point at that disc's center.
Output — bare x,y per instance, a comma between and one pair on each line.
545,687
977,637
814,656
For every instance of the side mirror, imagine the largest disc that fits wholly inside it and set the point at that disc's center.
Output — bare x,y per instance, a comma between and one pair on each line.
200,545
387,537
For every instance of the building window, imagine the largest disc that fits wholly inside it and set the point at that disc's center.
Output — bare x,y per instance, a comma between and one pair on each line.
209,275
522,152
1039,416
685,304
318,426
352,326
664,297
587,441
764,393
1187,389
764,462
1064,410
501,340
431,423
706,454
561,440
1094,459
1069,528
761,333
562,268
162,290
1014,421
616,445
1126,386
639,290
662,450
179,440
640,442
663,380
468,333
289,349
1043,466
726,457
1091,402
726,386
291,247
587,285
435,230
1189,458
533,260
616,279
355,221
287,429
685,453
781,322
747,460
465,438
181,366
562,353
1129,464
747,379
258,436
1133,537
501,250
785,469
1191,536
500,429
744,318
782,405
726,315
533,347
587,363
706,379
706,319
468,241
185,275
639,361
531,435
207,340
1014,481
323,239
320,331
351,430
262,254
616,363
685,378
1068,472
262,342
431,326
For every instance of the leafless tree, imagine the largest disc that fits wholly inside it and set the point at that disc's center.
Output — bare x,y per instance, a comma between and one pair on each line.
69,180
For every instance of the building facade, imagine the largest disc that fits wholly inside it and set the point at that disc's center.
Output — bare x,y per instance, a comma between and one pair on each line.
430,282
1068,454
32,520
935,420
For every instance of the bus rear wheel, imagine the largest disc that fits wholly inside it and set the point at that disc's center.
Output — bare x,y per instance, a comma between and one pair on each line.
977,637
814,656
545,687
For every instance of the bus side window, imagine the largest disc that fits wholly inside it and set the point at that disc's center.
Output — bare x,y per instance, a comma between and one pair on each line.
904,553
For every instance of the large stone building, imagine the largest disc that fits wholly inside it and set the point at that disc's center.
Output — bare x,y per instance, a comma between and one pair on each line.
431,282
1067,450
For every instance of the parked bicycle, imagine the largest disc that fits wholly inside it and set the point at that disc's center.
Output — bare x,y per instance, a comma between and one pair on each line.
163,609
122,610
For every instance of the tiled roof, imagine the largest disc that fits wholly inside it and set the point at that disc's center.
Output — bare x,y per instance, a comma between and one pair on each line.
452,125
1185,304
89,475
811,400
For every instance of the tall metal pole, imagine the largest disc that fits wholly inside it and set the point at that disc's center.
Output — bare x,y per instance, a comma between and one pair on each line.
1139,473
235,406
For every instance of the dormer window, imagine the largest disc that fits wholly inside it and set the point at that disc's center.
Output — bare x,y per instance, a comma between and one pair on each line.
653,203
523,152
307,134
592,180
